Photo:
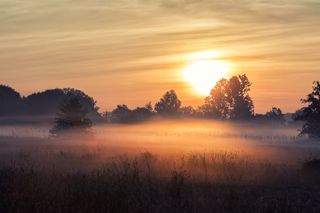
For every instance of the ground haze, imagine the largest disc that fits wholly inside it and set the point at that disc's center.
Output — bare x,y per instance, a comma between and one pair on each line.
182,165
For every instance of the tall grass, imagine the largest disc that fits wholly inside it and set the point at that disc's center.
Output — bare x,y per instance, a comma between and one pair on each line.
169,166
199,182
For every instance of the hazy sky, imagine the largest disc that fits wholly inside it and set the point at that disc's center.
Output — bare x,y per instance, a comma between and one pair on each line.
132,51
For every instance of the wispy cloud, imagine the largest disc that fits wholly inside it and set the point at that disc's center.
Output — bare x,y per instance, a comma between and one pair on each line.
139,41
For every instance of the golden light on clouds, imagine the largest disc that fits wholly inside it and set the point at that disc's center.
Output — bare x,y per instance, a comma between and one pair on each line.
204,55
132,51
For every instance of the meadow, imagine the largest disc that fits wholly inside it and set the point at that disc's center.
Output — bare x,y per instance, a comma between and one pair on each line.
160,166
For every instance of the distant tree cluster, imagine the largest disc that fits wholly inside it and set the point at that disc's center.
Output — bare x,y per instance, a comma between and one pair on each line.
168,105
228,100
274,116
122,114
11,103
46,103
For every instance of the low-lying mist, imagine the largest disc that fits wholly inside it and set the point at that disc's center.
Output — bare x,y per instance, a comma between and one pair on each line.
159,166
167,138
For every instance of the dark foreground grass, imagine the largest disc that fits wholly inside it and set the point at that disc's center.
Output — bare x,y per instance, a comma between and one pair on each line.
217,182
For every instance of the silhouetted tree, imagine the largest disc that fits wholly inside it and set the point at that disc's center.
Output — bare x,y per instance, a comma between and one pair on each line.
311,113
72,116
297,114
241,104
229,99
217,104
169,104
149,107
48,102
187,111
10,102
142,114
275,114
122,114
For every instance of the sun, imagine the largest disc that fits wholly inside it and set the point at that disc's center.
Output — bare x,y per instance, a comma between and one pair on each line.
204,74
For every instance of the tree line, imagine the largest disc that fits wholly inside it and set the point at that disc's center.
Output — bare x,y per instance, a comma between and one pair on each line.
46,103
228,100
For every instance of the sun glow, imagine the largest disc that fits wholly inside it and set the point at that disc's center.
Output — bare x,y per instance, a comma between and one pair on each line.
204,74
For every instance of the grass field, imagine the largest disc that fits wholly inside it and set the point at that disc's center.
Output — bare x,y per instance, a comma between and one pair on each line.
160,166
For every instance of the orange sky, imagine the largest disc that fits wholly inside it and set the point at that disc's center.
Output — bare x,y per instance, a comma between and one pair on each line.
132,51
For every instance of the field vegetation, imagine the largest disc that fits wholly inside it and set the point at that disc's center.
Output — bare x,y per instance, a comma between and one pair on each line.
162,166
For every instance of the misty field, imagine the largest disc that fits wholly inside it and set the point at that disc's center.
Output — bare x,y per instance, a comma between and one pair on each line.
160,166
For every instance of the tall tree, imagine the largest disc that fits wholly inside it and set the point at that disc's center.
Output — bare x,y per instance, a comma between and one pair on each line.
169,104
72,116
311,113
217,104
239,100
230,99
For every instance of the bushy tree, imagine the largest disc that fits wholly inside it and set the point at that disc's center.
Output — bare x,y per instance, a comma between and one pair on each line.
241,104
229,99
275,114
48,102
217,104
187,111
142,114
71,116
148,106
122,114
169,104
311,114
10,101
